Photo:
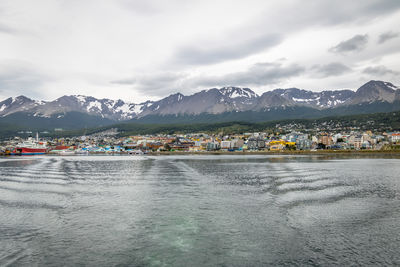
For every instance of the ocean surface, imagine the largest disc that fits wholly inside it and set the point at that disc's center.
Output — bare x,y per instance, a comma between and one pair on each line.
199,211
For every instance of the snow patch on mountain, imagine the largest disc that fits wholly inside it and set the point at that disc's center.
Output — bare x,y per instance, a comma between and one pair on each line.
125,108
303,100
391,86
40,102
81,99
235,92
138,108
95,104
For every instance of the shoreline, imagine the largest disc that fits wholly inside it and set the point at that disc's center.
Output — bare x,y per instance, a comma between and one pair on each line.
293,153
298,152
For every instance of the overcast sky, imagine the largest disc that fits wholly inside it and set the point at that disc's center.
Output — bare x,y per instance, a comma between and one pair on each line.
139,50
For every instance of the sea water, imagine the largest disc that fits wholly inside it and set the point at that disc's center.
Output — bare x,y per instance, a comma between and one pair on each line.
199,210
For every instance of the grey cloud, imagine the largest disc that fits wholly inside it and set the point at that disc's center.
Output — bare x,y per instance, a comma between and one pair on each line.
159,80
157,84
228,50
141,7
124,81
379,70
361,11
259,74
319,12
6,29
387,36
356,43
20,78
331,69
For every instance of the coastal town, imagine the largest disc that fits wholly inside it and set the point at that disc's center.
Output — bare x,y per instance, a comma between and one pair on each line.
110,142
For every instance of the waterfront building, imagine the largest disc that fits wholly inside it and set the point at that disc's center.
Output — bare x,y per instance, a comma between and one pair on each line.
225,144
395,137
303,144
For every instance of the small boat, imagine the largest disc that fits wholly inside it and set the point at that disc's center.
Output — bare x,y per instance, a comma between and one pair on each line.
66,153
62,152
82,152
135,152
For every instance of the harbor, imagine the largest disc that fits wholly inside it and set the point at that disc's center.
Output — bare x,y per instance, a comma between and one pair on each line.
293,142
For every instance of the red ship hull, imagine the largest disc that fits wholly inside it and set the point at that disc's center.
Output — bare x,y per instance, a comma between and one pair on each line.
29,151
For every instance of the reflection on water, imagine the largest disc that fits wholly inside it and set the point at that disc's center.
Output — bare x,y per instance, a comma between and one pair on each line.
199,210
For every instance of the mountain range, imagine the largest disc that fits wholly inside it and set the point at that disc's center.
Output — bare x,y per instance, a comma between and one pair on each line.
227,103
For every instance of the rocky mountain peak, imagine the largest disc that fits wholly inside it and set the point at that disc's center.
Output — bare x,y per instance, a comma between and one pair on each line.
237,92
374,91
377,86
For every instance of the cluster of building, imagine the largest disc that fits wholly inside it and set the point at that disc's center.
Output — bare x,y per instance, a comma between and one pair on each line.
202,142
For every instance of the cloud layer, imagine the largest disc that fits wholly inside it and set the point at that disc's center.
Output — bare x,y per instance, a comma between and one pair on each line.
138,50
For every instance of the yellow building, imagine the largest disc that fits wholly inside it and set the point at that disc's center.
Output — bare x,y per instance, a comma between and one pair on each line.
277,145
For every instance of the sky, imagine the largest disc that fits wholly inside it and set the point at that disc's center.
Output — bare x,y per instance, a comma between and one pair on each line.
145,50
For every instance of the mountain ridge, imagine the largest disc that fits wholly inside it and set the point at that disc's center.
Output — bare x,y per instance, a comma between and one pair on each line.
215,101
221,104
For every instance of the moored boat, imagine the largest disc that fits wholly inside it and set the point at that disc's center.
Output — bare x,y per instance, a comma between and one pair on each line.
62,152
135,152
66,153
30,147
82,152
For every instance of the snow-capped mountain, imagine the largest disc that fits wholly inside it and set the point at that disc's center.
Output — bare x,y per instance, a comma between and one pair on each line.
211,101
18,104
105,108
207,101
324,99
238,93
